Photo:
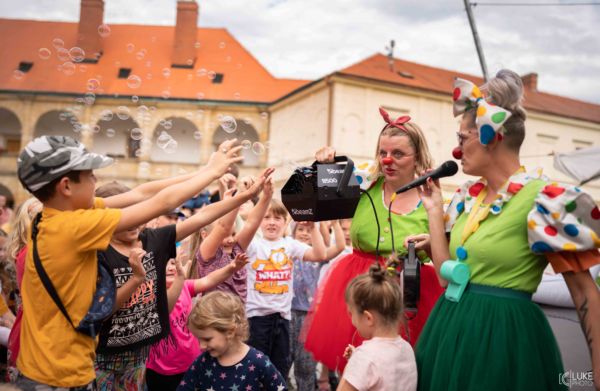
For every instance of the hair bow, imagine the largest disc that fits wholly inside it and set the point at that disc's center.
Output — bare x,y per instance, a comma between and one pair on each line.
398,123
489,118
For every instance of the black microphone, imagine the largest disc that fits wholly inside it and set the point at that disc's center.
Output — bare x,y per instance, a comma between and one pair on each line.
448,168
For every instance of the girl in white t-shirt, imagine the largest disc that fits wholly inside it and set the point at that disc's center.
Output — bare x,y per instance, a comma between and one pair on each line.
384,361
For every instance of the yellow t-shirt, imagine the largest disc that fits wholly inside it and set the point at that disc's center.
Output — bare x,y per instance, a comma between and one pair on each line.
52,352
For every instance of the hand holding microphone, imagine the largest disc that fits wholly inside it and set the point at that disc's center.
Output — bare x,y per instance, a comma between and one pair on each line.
428,185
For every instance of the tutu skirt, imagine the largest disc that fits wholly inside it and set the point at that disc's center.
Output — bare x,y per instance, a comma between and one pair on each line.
328,328
493,339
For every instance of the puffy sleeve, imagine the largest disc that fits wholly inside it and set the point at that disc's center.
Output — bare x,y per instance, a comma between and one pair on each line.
456,205
564,224
366,174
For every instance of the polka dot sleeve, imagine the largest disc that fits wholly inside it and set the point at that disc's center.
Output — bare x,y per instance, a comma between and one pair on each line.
366,174
457,204
564,224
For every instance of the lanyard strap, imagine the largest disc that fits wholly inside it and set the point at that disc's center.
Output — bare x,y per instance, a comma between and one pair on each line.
478,213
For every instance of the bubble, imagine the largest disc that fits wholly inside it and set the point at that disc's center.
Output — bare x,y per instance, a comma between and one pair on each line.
63,54
166,94
77,54
82,68
222,45
44,53
77,127
212,75
123,113
130,47
200,95
168,124
58,43
63,116
201,72
144,166
140,55
197,45
104,30
163,139
134,81
171,147
93,84
166,72
96,128
89,98
247,121
189,115
106,115
137,134
258,148
264,115
197,135
135,99
138,152
189,62
152,109
228,123
246,144
68,68
236,96
110,132
17,74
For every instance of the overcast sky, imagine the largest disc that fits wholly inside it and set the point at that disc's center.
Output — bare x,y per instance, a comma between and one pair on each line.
309,39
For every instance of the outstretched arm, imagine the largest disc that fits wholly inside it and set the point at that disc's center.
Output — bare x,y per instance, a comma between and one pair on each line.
245,236
210,213
174,290
340,242
317,252
218,276
176,194
586,297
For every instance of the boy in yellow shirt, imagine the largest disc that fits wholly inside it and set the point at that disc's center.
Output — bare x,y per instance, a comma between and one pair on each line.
74,226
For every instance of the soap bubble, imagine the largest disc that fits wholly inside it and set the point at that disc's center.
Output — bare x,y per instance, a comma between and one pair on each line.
134,81
110,132
258,148
228,124
137,134
77,54
104,30
44,53
246,144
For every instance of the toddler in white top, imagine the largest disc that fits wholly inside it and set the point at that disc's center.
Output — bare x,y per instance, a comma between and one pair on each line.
384,361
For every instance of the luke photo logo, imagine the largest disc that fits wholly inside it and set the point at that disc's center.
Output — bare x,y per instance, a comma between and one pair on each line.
579,379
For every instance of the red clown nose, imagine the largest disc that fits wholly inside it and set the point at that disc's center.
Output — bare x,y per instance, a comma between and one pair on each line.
387,161
457,153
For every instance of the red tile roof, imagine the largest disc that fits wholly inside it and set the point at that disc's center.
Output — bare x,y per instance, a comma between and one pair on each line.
440,80
245,79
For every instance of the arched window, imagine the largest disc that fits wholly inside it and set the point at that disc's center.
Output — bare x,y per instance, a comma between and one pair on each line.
10,133
58,123
176,140
247,135
117,137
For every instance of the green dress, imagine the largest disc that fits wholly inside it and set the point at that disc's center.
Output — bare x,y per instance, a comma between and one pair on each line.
495,338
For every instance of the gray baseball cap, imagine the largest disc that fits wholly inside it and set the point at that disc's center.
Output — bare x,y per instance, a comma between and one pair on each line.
47,158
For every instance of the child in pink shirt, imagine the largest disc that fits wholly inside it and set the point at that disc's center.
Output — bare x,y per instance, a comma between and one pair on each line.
384,361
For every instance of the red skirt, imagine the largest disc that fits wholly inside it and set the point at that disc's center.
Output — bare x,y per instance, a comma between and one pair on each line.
328,328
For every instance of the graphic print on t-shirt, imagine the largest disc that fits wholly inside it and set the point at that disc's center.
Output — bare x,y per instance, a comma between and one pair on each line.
273,274
138,319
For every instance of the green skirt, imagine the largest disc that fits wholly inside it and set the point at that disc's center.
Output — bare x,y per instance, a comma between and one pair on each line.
493,339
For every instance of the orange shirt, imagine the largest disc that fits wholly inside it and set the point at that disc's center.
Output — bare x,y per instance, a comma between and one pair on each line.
52,352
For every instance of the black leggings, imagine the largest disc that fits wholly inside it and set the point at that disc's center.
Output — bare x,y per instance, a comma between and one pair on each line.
157,382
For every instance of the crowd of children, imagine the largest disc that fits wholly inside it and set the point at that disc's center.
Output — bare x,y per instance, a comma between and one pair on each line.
216,300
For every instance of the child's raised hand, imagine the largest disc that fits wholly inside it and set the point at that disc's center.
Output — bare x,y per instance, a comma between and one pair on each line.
239,261
181,270
227,181
229,193
135,261
348,352
259,183
225,155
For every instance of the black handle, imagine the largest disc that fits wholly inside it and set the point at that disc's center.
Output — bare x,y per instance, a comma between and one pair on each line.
345,176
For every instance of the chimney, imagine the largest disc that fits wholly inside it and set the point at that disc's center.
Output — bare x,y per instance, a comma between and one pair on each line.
530,81
184,51
91,16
